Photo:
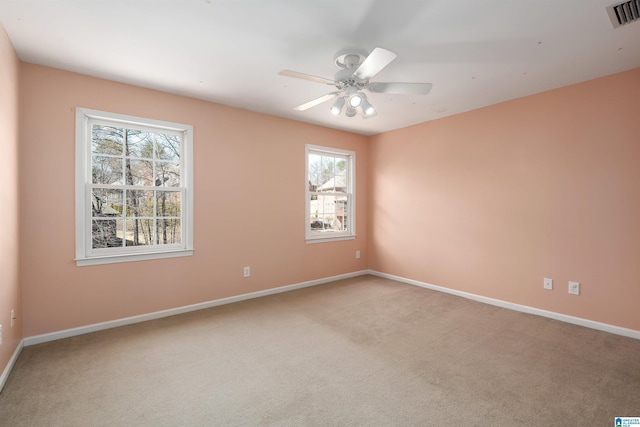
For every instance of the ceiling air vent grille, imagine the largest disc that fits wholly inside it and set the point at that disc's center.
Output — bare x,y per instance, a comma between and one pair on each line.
624,13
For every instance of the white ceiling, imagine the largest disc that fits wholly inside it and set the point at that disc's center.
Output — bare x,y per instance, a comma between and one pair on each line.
475,52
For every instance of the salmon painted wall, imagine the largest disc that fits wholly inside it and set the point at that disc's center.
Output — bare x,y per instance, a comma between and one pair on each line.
9,267
248,208
492,201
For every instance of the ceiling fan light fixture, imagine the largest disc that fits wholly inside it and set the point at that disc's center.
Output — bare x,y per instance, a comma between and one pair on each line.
355,100
354,97
336,109
367,108
351,112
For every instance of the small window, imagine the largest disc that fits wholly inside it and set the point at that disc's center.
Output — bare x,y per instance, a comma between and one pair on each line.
134,188
330,194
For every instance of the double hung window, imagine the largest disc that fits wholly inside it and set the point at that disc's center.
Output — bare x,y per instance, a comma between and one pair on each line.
330,194
134,188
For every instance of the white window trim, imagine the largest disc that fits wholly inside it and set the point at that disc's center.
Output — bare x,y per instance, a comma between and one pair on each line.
84,255
350,234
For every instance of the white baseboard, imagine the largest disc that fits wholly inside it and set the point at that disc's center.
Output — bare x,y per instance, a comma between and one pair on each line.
9,367
38,339
517,307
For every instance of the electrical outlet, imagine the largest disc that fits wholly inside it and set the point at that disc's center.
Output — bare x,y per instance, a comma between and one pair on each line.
247,271
574,288
13,317
548,283
357,254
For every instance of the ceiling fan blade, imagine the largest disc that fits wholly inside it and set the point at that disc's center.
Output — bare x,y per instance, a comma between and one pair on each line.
400,88
374,63
297,75
317,101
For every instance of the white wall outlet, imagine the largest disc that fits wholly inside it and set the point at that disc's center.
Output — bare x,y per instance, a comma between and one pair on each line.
357,254
574,288
13,317
246,271
548,283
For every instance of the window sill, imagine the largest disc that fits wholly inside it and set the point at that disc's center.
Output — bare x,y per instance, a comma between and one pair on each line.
329,239
112,259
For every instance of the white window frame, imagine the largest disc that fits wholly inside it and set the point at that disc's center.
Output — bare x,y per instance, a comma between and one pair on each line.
333,236
85,254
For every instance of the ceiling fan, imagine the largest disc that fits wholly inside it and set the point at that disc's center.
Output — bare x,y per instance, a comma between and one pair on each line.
357,68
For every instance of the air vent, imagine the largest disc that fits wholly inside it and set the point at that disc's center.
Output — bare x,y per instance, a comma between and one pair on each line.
624,13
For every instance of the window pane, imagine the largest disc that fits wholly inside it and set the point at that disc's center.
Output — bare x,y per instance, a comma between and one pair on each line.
167,147
106,139
106,170
140,203
168,203
315,181
341,180
341,213
167,174
139,172
169,231
315,171
139,144
139,232
106,203
106,233
328,168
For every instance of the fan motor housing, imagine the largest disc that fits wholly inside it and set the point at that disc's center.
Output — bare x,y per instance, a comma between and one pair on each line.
349,58
345,78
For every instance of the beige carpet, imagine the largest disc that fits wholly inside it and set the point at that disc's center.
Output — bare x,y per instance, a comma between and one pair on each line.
364,351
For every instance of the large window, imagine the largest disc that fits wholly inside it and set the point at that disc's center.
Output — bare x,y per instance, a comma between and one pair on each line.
134,192
330,194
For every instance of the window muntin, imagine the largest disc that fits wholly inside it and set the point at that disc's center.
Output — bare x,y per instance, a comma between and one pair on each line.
330,195
134,186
